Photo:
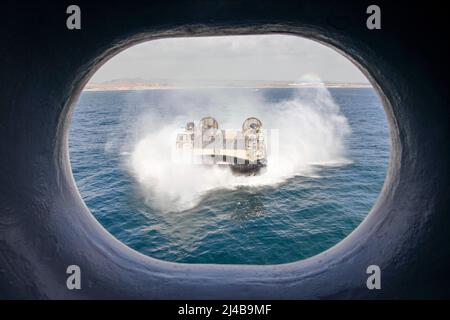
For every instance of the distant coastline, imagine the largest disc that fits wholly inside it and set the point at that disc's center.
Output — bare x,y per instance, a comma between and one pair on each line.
133,84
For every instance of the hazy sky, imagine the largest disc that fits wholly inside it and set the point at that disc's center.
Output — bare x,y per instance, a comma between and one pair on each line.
264,57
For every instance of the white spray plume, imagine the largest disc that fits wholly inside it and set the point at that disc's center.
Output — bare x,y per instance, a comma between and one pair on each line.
311,131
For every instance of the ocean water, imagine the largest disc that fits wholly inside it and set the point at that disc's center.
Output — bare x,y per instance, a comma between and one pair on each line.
329,152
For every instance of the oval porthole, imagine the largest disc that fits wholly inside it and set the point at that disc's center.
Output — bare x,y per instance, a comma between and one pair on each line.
260,149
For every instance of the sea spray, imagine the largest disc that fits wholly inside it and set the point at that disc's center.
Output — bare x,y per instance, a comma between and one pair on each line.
303,131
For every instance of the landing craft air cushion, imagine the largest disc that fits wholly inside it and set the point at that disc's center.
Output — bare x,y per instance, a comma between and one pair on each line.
243,151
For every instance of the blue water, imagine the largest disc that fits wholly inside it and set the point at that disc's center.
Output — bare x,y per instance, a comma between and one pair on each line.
270,224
